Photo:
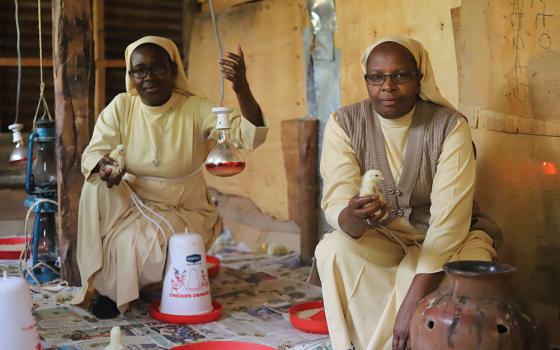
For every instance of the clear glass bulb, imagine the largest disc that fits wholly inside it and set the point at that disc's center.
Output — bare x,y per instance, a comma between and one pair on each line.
224,159
18,156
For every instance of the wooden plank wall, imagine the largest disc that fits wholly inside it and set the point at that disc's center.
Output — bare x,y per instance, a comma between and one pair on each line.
271,34
512,183
518,179
362,22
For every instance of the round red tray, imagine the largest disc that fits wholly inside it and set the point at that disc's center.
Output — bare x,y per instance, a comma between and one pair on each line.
193,319
222,345
316,324
213,264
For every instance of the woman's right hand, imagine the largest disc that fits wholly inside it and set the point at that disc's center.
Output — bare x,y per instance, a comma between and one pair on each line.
360,214
106,172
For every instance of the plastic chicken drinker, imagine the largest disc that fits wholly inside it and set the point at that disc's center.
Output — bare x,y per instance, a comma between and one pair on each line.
224,159
186,286
18,329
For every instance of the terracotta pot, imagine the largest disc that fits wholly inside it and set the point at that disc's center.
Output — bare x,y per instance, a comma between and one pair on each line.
474,308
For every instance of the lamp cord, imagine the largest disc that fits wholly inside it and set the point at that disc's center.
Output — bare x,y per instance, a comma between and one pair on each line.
220,50
18,49
23,256
42,99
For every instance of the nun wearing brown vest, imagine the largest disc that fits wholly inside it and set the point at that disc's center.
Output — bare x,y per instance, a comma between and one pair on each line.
375,268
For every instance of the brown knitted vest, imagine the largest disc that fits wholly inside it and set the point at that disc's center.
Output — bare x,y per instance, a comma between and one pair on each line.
409,198
430,126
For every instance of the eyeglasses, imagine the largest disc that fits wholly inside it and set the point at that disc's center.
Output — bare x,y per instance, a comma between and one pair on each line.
397,78
158,69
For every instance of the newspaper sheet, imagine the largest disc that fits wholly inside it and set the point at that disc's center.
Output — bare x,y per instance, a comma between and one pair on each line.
256,292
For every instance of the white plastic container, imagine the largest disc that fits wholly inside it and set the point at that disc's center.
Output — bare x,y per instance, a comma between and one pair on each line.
18,329
186,287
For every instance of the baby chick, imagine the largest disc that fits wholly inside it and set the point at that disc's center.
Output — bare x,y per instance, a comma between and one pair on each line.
118,155
116,339
370,187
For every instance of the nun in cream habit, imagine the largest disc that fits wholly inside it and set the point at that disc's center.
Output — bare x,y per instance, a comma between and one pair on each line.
121,248
375,270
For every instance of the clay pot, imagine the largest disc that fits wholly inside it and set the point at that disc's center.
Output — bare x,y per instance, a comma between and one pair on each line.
474,308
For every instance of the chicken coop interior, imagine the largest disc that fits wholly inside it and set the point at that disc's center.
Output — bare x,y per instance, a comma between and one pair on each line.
496,63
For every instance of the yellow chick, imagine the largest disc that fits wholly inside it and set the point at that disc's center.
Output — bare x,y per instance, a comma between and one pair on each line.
116,339
370,187
118,155
274,249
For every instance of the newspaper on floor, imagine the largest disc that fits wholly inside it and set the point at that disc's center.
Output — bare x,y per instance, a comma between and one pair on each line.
255,291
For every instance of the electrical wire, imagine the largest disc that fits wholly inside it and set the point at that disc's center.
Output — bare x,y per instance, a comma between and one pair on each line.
23,256
140,204
18,49
220,50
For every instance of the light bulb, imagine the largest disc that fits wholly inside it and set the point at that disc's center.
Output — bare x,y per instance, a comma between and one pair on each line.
18,156
224,159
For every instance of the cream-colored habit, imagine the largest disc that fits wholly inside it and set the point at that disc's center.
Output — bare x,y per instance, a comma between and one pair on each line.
119,250
365,280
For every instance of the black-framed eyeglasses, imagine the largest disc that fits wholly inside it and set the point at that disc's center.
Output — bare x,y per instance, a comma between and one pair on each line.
397,78
158,69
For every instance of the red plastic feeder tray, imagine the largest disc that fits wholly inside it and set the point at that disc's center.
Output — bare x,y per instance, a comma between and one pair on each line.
316,323
192,319
213,264
222,345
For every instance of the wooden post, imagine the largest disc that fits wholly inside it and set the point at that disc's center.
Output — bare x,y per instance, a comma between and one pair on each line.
73,87
299,148
99,55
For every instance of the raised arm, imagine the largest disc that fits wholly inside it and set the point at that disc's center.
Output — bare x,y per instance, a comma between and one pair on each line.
233,69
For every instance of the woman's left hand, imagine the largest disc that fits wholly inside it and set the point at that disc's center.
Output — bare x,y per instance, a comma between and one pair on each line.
401,330
422,285
233,69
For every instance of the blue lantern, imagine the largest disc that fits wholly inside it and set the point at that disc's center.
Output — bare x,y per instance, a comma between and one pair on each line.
41,187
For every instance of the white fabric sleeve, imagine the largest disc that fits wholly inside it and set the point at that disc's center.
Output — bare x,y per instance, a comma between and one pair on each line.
452,199
106,133
340,171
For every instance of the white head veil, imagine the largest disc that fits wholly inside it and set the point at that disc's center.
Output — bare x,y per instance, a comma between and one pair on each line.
181,83
428,87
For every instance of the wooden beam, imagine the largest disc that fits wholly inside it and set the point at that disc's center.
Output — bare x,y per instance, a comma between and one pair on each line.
25,62
110,63
222,5
299,148
99,55
190,8
73,88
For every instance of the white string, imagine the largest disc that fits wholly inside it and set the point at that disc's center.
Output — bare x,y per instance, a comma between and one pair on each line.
27,249
220,50
18,49
140,204
42,99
